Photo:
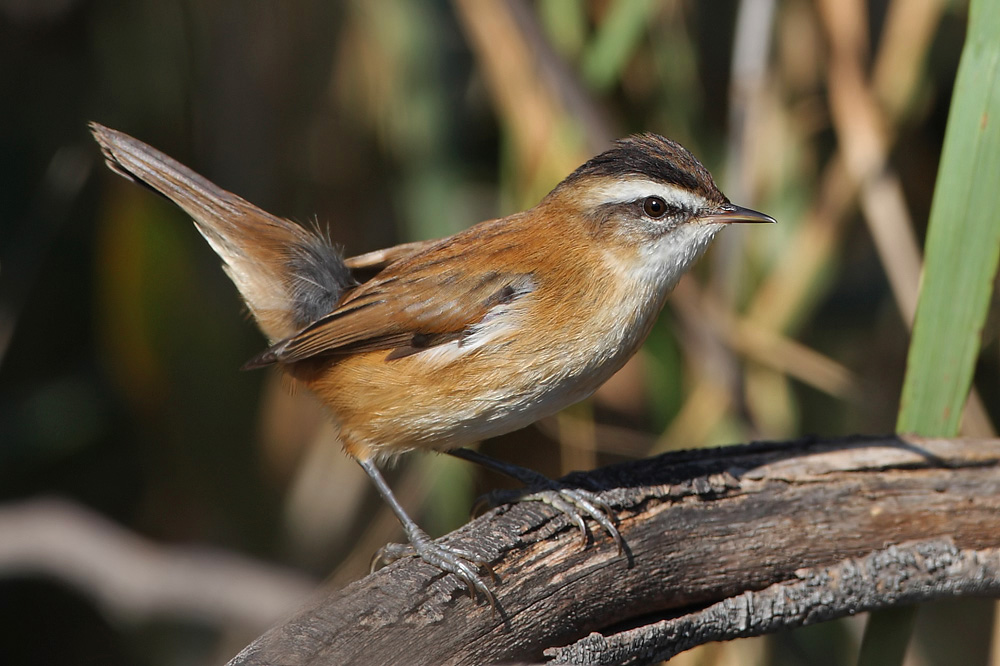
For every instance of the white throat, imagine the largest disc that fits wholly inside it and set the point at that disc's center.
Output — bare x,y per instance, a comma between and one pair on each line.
663,262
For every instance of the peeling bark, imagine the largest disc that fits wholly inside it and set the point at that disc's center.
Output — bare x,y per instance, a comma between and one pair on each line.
722,543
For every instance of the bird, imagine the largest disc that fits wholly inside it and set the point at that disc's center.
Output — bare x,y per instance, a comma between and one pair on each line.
455,340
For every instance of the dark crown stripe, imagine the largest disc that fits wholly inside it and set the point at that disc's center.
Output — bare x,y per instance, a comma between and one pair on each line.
653,157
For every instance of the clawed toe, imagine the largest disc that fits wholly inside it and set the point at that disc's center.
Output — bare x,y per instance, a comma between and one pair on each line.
458,561
464,564
574,503
389,553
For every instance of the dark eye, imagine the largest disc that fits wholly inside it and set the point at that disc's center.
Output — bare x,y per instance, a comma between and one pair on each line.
654,207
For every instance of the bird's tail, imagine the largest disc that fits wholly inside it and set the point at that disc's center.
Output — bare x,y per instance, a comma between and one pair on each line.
289,276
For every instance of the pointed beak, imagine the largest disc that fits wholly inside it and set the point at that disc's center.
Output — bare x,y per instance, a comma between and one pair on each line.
730,214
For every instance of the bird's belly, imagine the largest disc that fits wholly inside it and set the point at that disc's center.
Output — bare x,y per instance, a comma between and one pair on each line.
452,395
388,407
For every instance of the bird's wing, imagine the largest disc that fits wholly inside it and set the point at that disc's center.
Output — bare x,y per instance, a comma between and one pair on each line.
420,301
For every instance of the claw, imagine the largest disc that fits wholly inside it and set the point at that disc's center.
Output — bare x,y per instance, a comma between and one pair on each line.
389,553
573,502
446,558
481,504
449,559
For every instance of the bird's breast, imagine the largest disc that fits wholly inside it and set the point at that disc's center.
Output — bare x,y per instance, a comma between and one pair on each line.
525,360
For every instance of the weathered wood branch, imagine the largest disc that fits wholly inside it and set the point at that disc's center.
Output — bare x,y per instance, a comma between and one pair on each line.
722,543
898,575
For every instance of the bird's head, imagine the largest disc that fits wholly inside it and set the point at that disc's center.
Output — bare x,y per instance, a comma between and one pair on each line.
650,205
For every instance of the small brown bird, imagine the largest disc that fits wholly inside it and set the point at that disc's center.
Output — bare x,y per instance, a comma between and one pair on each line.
471,336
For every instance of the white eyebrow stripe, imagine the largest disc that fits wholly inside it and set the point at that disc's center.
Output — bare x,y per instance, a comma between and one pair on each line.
627,190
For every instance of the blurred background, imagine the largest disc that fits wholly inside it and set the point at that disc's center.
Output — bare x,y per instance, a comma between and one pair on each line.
160,507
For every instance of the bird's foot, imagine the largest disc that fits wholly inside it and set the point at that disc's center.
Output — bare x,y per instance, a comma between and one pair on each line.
458,561
574,503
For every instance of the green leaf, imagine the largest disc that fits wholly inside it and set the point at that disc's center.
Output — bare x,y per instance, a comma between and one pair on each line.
963,241
962,250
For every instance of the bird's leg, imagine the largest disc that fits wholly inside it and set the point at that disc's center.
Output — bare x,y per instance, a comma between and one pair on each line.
462,563
573,502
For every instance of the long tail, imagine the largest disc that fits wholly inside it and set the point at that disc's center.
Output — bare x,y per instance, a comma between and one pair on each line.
288,275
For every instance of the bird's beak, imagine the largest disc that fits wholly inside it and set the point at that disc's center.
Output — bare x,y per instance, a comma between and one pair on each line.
730,214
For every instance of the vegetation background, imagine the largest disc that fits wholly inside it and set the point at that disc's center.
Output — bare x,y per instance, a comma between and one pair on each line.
160,507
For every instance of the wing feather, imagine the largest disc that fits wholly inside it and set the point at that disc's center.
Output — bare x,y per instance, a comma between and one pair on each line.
422,300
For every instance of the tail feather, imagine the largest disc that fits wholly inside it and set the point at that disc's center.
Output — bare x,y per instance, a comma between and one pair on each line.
289,276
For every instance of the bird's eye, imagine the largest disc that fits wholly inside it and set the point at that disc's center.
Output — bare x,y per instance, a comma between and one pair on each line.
654,207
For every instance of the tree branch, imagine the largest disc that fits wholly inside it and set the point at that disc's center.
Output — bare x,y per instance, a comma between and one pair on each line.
722,543
895,576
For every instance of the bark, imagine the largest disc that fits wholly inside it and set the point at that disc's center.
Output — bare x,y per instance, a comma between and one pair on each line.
721,543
